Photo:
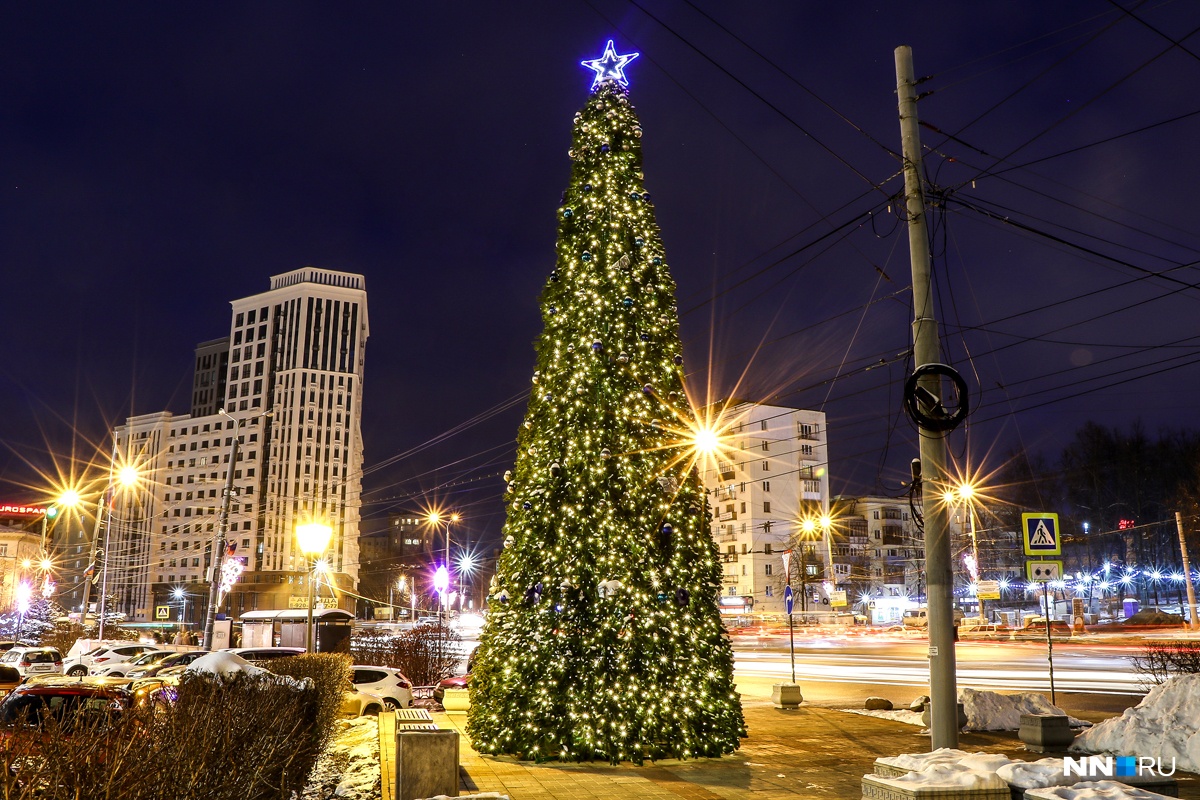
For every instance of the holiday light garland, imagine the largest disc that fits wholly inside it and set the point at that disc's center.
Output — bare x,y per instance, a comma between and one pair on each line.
604,640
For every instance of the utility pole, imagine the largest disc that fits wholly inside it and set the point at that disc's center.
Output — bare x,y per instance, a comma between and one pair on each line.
1187,575
218,546
939,582
91,562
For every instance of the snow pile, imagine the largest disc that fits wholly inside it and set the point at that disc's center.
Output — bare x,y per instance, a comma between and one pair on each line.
229,666
349,767
1037,774
922,762
944,775
1166,725
224,665
919,761
896,715
992,711
1093,790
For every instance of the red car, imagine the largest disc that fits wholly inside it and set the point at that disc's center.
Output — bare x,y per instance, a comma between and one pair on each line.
67,699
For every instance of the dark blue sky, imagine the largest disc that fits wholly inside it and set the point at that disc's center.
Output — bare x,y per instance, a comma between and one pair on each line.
161,160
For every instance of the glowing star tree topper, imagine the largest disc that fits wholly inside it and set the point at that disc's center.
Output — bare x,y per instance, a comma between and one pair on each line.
610,66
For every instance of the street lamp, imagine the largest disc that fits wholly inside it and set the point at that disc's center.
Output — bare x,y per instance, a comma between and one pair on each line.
313,538
179,594
434,518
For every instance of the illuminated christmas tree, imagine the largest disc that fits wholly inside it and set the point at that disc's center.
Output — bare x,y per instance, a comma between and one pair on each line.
604,640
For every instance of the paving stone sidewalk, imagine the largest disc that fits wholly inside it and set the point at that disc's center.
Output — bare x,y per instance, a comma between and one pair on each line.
812,752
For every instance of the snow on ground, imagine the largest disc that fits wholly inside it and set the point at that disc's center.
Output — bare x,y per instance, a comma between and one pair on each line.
1093,790
918,761
986,711
1166,724
898,715
349,768
992,711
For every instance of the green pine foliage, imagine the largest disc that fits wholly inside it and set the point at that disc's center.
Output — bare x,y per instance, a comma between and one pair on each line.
604,640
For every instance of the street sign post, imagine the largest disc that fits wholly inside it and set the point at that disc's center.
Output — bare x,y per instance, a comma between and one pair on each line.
987,590
1044,571
1041,534
162,612
789,600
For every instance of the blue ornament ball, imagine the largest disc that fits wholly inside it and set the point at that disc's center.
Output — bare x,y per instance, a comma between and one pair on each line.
527,505
662,597
598,346
648,389
656,261
646,197
604,148
638,242
645,337
635,196
627,302
586,256
587,187
667,529
568,213
678,361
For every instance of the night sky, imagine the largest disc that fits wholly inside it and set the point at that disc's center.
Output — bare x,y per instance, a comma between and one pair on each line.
163,159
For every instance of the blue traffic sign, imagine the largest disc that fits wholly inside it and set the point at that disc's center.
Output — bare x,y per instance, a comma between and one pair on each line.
1041,534
788,599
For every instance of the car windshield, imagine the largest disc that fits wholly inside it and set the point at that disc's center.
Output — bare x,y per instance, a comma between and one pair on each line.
36,708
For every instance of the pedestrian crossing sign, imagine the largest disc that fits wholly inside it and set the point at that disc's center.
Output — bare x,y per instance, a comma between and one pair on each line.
1041,534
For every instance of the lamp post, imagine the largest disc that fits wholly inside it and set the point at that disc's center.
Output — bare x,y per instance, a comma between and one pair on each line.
218,545
434,518
313,538
179,594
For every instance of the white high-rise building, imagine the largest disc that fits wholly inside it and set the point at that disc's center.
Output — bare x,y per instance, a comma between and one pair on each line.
773,476
293,391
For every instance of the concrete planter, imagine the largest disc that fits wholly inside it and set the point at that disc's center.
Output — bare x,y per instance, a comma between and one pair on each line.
457,701
786,695
962,715
1046,733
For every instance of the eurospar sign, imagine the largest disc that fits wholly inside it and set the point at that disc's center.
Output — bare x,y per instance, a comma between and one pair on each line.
1118,767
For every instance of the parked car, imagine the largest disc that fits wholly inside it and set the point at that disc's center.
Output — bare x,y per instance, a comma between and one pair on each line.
1035,630
63,697
428,620
357,703
30,661
173,660
919,617
974,628
122,668
104,655
386,682
257,655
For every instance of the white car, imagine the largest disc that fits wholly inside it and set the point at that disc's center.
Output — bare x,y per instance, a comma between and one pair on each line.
386,682
121,669
103,656
257,655
357,703
30,661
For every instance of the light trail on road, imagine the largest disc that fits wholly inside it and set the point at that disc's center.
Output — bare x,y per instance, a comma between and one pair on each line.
997,667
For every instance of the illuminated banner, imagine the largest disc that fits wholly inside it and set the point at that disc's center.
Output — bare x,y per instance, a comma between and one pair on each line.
22,511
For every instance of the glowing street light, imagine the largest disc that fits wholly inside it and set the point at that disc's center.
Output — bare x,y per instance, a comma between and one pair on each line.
313,538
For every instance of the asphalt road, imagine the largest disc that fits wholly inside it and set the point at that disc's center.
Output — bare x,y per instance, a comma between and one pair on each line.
1094,668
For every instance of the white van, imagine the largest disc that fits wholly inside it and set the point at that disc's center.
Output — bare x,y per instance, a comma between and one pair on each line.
919,617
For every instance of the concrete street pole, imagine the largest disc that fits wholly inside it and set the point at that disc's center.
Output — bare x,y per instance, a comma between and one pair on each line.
1187,574
939,582
218,545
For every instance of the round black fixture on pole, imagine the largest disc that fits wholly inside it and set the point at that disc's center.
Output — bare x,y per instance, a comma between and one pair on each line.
927,409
